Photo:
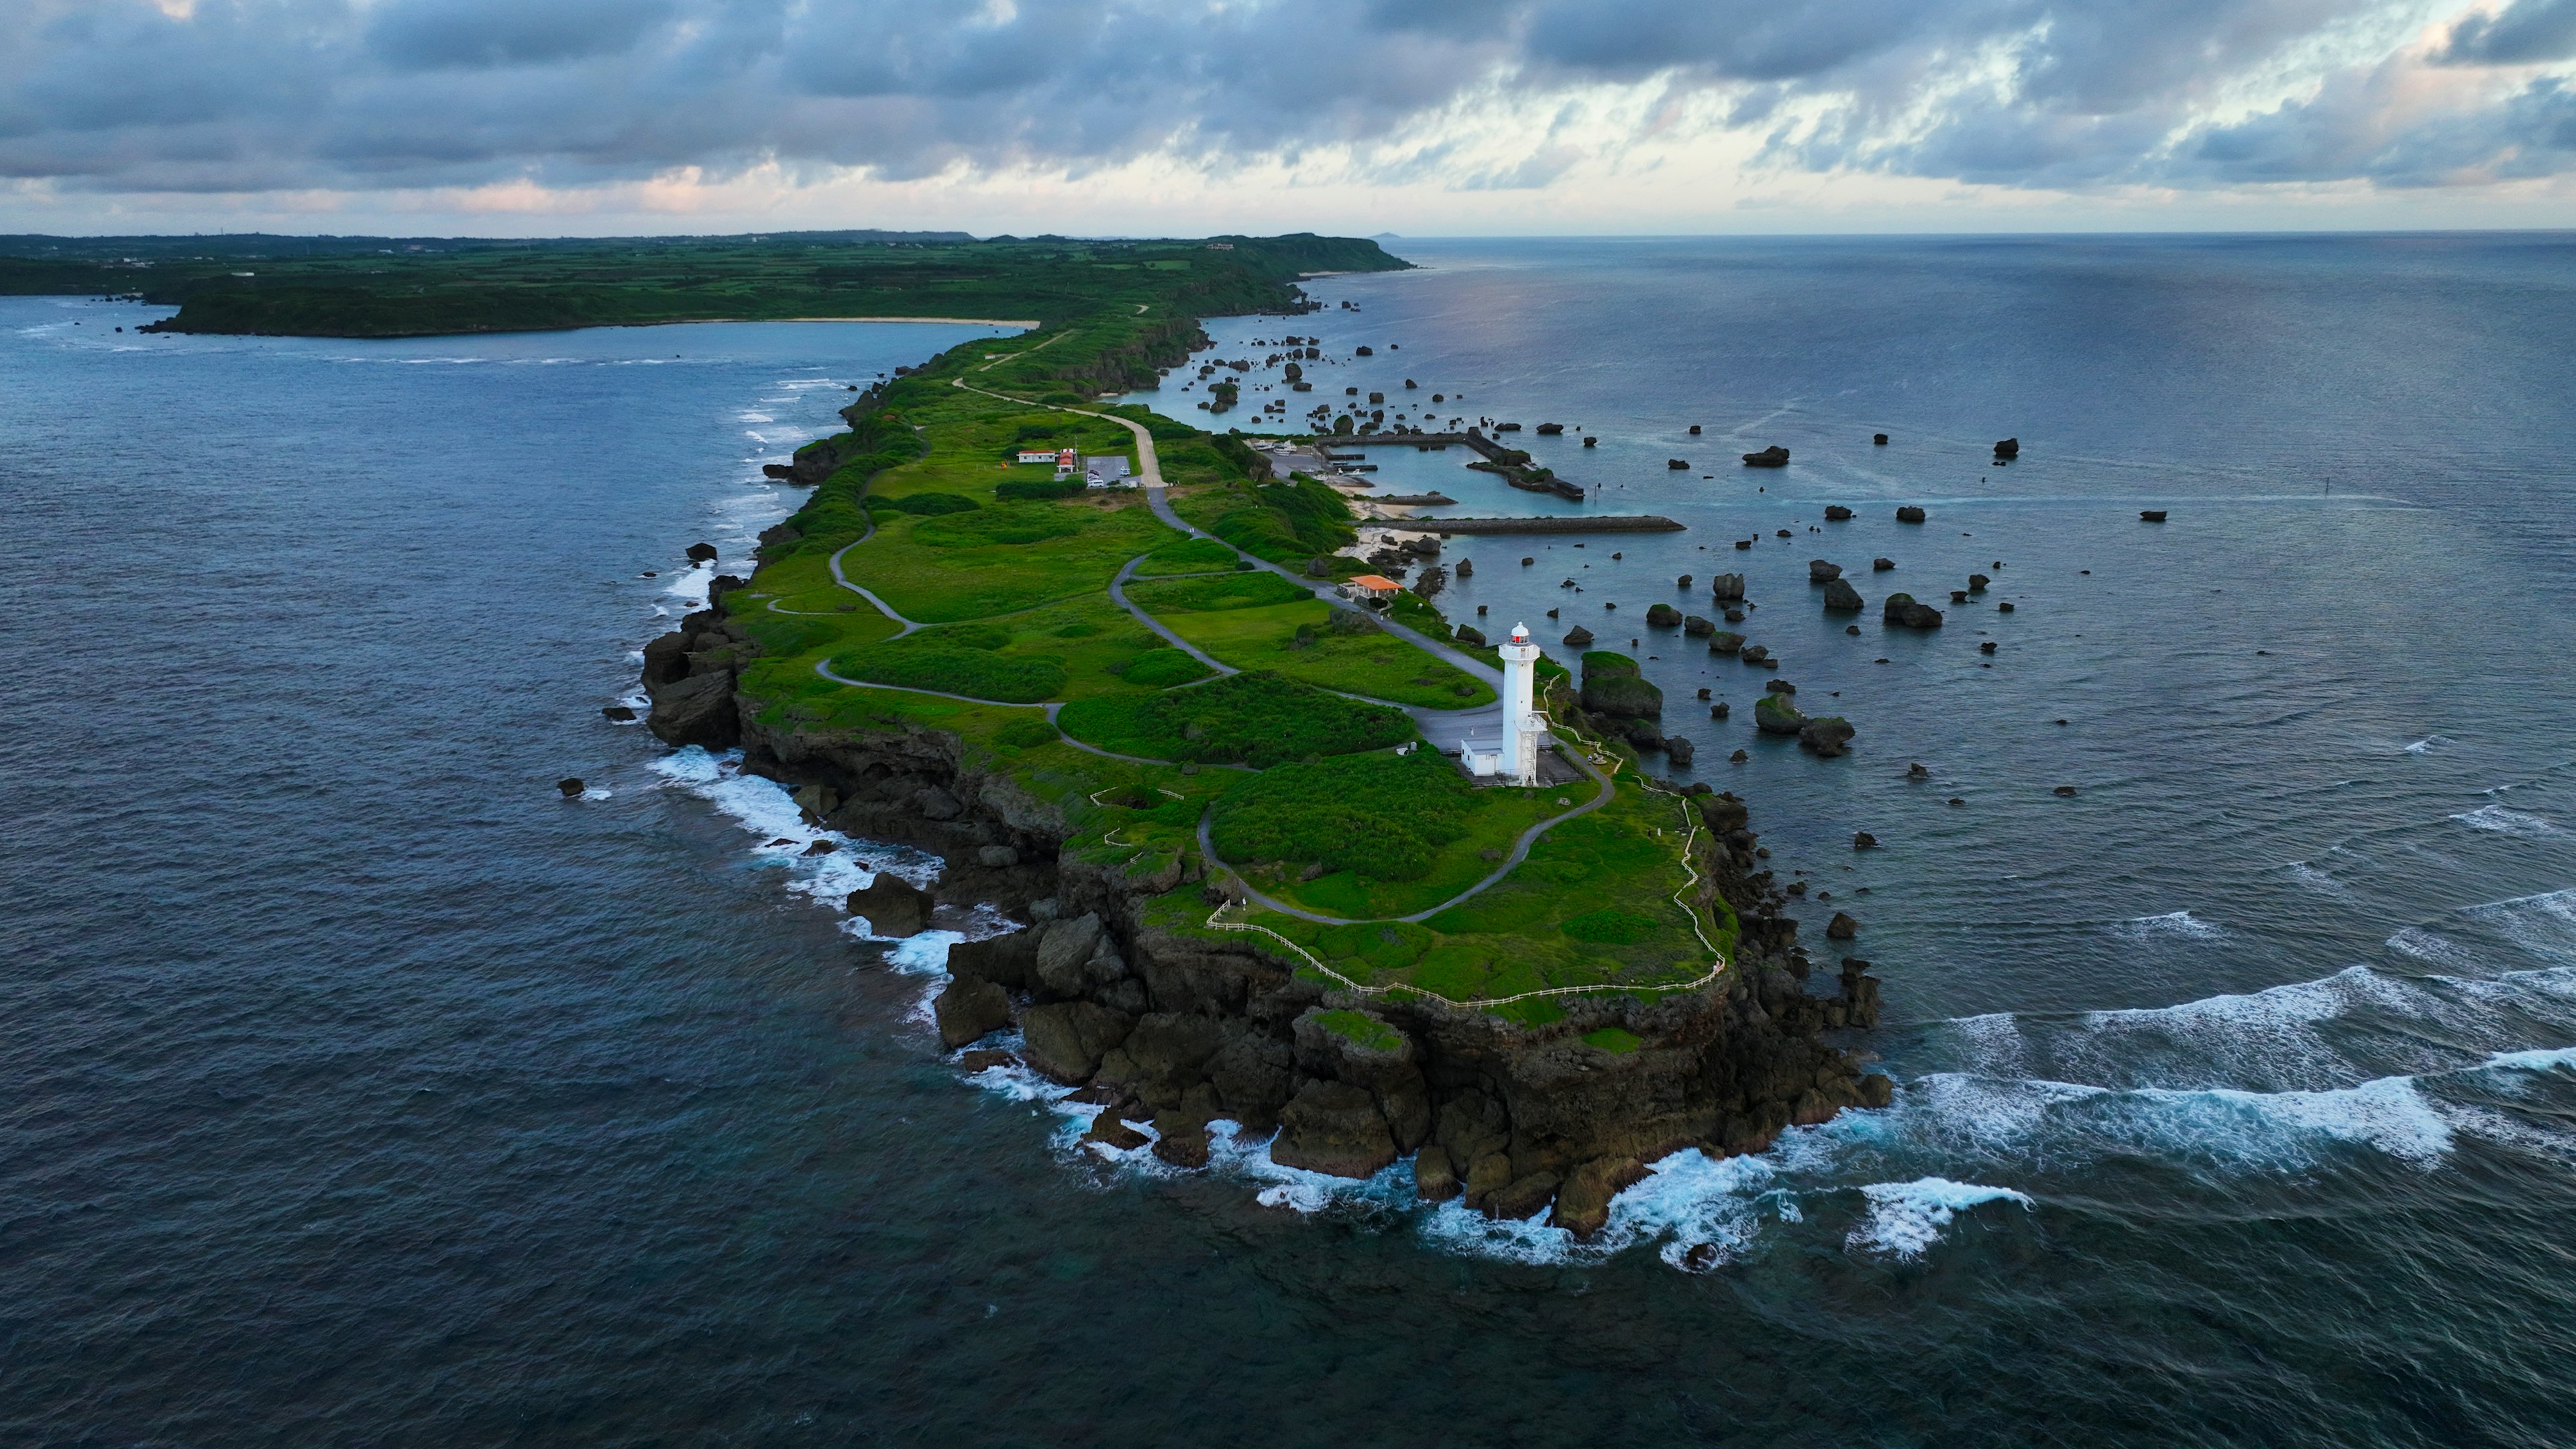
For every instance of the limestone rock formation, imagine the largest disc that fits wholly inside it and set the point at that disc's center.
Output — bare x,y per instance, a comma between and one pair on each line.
894,907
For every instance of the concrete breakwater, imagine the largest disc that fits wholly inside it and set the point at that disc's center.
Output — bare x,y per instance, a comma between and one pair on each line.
1513,464
1613,523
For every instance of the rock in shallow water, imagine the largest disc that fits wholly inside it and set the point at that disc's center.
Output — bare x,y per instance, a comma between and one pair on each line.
1333,1128
892,905
969,1009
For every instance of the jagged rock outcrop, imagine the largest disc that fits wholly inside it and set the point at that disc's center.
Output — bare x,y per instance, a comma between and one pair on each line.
689,676
1842,598
1181,1026
1901,611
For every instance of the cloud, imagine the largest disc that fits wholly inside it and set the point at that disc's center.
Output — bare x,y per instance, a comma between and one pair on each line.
2529,32
125,96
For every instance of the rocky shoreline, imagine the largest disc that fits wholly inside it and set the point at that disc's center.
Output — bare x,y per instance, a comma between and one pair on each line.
1173,1029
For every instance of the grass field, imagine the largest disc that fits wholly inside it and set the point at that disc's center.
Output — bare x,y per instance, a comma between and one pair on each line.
964,566
1208,594
1189,556
1249,719
1378,665
1592,906
1484,836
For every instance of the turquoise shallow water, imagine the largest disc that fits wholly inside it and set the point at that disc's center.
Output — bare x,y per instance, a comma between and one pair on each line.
359,1090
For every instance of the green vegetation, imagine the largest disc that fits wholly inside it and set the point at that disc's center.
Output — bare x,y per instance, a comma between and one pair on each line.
1492,823
1360,1027
1163,668
380,287
1383,816
1259,720
1189,556
928,505
1617,1041
1286,523
959,659
1210,595
1510,938
1298,640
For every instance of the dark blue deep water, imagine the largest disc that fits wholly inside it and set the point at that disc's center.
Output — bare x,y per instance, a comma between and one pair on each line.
356,1089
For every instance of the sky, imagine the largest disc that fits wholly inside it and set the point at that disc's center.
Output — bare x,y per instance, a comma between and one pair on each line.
1355,117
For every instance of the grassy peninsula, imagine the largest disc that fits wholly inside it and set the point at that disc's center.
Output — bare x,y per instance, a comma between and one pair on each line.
1000,630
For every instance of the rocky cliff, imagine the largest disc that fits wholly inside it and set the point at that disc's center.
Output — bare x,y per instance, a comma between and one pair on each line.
1179,1027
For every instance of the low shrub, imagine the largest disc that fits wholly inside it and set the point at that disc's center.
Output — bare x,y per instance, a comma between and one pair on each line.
1207,596
927,505
1611,928
1037,489
1377,815
1021,523
1021,734
957,659
1258,719
1162,668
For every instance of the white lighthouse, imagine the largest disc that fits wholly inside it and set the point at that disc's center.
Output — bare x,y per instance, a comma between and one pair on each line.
1523,726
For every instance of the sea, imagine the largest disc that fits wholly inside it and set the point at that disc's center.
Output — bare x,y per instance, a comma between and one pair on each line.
359,1087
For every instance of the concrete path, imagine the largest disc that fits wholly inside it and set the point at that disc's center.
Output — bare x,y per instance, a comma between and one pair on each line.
1118,595
843,580
824,668
1520,852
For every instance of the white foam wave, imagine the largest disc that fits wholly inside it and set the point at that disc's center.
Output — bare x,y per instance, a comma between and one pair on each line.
2433,947
2544,925
1906,1218
2262,1038
2178,924
2497,819
1994,1042
2017,1121
764,808
2318,880
2544,1060
2427,745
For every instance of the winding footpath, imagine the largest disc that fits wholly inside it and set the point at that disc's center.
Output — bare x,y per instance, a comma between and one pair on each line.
1520,852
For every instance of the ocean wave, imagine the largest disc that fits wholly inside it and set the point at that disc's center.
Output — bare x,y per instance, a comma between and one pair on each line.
2008,1122
2547,1059
2427,745
2318,880
1906,1218
2180,924
2500,821
764,808
2543,925
2432,947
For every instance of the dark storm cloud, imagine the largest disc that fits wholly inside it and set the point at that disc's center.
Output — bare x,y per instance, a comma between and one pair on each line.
261,94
